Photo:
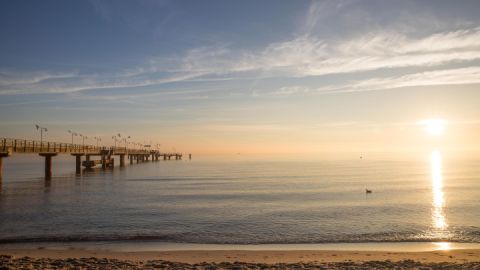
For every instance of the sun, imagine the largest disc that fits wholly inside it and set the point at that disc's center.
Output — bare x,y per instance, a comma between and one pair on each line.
435,127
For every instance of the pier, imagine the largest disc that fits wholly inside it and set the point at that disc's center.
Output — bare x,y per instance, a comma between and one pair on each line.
87,156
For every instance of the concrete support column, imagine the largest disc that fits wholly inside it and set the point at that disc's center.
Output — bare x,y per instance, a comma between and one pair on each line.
78,162
1,169
122,160
138,158
2,155
164,157
131,159
48,163
104,162
153,157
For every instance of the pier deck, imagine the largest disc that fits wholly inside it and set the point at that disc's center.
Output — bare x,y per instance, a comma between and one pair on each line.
48,150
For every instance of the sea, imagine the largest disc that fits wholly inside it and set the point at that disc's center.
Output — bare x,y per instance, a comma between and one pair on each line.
241,201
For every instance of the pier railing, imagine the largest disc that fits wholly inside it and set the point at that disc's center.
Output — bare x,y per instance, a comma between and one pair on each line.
33,146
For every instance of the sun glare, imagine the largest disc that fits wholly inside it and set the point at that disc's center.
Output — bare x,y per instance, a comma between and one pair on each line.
434,127
443,246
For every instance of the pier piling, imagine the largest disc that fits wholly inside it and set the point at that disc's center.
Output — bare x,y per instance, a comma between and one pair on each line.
104,161
78,162
2,155
122,160
48,163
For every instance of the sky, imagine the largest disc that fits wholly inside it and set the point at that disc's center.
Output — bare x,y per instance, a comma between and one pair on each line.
273,77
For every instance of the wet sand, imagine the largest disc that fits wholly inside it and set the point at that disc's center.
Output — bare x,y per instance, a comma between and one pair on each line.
233,259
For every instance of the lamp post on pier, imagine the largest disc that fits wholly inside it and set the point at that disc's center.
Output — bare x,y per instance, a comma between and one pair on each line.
42,129
83,141
73,134
98,139
114,137
126,141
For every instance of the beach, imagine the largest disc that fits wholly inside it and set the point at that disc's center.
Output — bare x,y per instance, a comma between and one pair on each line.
237,259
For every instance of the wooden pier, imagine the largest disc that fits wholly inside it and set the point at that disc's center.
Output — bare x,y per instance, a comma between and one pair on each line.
48,150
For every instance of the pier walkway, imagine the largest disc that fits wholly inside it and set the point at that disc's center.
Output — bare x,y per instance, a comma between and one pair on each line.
48,150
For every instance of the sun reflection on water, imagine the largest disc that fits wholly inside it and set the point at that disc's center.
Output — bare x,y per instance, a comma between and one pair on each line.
438,203
442,246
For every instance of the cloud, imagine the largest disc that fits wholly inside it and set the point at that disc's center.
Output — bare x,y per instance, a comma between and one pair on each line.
310,56
307,55
456,76
14,78
291,90
469,75
70,84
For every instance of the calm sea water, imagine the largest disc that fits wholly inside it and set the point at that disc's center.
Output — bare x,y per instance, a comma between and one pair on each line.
240,202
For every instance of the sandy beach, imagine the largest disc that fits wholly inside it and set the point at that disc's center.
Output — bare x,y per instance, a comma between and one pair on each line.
237,259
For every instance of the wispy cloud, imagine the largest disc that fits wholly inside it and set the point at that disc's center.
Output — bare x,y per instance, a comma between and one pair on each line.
291,90
311,56
79,83
457,76
15,78
470,75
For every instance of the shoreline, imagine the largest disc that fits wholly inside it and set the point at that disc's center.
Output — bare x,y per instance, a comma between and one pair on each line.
249,256
149,246
101,256
284,253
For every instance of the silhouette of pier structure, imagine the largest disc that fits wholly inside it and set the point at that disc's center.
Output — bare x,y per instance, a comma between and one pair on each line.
48,150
